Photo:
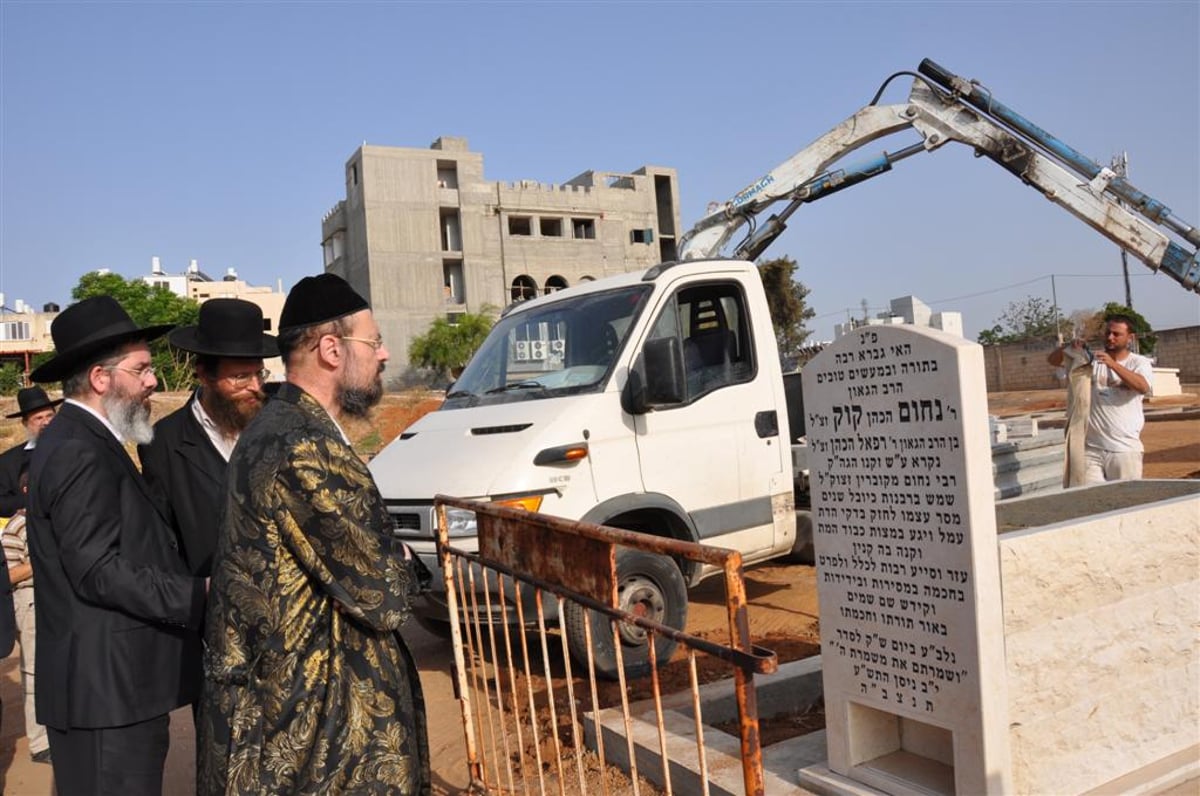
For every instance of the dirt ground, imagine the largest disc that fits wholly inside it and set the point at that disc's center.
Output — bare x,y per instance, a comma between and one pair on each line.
782,597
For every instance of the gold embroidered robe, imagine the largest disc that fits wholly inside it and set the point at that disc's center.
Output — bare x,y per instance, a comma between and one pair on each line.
308,686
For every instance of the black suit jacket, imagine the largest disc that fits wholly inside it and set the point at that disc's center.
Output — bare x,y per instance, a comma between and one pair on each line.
117,611
8,617
188,474
12,499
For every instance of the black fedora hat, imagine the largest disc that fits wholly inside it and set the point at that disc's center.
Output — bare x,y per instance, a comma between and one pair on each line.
227,328
85,329
32,399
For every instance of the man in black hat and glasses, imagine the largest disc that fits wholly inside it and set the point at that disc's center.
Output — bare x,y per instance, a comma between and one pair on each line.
187,459
117,609
36,410
308,687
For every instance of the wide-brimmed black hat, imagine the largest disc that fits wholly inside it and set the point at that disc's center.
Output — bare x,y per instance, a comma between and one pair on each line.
319,299
228,328
32,399
85,329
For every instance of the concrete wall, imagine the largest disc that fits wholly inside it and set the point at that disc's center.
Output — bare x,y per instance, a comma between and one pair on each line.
1019,366
1100,619
1022,366
1180,348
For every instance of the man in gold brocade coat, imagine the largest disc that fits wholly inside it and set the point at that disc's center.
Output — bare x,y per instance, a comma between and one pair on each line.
308,686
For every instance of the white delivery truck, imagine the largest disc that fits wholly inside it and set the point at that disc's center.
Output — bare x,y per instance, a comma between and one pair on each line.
653,401
650,401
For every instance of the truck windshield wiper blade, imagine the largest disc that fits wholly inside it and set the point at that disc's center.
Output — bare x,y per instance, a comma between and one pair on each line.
516,385
460,394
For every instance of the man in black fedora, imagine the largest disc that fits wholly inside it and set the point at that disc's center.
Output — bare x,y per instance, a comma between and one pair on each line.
36,410
117,610
186,461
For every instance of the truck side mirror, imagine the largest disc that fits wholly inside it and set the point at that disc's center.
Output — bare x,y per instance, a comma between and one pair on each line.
656,377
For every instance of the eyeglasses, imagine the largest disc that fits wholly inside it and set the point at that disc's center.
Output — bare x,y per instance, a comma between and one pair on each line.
244,379
376,344
139,373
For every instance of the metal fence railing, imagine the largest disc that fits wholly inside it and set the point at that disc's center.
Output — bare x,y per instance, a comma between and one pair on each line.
525,700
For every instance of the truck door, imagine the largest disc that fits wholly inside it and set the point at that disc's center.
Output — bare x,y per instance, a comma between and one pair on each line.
715,453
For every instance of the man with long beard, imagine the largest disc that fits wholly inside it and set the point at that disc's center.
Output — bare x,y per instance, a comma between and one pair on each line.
187,460
117,610
308,687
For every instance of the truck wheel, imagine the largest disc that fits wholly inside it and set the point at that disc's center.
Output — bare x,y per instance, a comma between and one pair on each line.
802,548
648,585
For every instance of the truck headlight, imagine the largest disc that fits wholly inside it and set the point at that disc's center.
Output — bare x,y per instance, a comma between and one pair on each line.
461,522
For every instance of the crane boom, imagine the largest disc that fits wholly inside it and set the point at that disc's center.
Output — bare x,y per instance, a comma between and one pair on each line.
943,107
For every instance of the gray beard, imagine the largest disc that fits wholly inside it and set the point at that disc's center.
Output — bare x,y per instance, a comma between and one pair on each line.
129,418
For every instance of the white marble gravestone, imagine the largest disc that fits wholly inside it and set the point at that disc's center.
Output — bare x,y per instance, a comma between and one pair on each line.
907,567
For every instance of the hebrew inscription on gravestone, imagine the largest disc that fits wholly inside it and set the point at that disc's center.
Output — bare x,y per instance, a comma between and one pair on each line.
907,572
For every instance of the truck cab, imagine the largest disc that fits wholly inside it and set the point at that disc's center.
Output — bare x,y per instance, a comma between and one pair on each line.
651,401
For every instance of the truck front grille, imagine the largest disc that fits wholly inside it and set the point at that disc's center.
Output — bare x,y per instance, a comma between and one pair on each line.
412,522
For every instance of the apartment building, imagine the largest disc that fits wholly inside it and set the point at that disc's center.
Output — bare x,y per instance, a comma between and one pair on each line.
422,234
24,333
200,287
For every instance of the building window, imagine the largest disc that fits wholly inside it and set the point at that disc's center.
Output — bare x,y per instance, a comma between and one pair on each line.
520,225
551,227
452,280
641,235
554,283
523,288
354,174
447,174
583,228
15,330
451,231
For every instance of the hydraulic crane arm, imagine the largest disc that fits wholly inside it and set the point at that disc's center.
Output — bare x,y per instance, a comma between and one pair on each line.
962,112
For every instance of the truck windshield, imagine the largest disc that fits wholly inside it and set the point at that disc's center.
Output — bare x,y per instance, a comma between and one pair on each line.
563,347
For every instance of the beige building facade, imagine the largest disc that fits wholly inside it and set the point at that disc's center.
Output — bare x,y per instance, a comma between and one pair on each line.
25,333
423,235
200,287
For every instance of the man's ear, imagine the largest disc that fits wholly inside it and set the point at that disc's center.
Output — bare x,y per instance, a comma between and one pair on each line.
329,350
99,379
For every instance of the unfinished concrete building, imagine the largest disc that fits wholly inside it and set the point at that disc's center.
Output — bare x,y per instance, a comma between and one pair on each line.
423,235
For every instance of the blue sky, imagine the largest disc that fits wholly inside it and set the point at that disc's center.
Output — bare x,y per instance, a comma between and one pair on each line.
218,131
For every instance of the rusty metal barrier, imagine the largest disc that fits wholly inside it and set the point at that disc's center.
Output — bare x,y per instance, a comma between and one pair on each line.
522,556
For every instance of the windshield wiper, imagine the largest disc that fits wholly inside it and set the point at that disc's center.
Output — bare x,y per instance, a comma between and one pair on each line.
460,394
516,385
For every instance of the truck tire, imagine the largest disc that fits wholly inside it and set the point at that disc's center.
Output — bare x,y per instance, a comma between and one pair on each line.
647,585
802,549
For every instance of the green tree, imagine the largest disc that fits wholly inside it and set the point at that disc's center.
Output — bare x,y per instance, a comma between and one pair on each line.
1032,318
12,378
446,347
148,306
787,301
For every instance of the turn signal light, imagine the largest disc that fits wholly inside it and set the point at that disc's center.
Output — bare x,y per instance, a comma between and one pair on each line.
528,502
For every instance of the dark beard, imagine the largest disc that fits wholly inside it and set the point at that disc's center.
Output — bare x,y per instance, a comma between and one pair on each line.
358,401
231,416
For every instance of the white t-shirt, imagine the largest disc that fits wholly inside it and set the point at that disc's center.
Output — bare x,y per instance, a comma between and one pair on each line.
1116,420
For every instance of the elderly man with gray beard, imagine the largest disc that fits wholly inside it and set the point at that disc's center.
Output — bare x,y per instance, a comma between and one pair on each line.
117,610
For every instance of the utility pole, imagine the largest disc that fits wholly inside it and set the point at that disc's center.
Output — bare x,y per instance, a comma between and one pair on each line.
1120,167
